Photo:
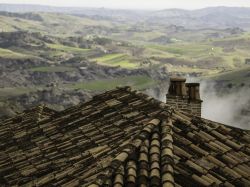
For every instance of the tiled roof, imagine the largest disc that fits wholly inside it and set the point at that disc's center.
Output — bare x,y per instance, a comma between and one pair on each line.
33,114
123,138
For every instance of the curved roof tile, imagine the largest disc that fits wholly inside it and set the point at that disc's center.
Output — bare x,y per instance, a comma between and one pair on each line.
121,138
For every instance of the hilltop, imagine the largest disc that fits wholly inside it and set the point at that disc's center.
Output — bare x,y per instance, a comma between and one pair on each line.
217,17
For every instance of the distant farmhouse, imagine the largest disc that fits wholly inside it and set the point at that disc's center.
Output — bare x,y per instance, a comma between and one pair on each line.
247,61
124,138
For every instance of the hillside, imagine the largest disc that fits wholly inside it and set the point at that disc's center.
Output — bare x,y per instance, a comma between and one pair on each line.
238,76
54,56
160,43
37,68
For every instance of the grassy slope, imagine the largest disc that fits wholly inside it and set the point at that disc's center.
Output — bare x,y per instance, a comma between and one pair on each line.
194,52
235,76
188,51
9,24
119,59
6,53
67,48
138,82
14,91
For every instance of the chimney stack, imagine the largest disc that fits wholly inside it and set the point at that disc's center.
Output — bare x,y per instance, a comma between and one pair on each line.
193,90
184,96
177,87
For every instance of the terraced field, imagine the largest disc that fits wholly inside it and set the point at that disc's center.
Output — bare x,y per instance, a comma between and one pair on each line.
119,59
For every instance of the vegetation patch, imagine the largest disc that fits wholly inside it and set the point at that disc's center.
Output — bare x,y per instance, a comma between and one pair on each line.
6,53
235,76
119,59
184,49
137,82
15,91
51,69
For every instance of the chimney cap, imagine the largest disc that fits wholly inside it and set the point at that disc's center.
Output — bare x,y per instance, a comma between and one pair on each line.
192,84
177,79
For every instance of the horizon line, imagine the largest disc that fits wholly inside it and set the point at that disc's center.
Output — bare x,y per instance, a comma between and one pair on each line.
134,9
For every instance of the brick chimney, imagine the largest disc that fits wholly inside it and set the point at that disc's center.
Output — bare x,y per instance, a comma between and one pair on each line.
184,96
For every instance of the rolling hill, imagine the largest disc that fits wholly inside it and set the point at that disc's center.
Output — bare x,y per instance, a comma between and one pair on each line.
62,54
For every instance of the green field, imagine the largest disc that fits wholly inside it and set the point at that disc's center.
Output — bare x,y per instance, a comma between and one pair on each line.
119,59
14,91
205,55
138,82
51,69
188,50
6,53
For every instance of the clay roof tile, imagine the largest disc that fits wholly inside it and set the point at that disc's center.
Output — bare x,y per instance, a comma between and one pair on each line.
121,138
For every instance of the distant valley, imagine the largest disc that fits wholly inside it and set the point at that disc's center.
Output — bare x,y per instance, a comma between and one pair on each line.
63,56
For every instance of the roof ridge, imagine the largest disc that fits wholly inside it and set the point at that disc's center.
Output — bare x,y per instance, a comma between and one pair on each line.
128,150
148,98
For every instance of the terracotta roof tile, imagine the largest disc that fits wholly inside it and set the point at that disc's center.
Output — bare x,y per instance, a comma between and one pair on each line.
121,138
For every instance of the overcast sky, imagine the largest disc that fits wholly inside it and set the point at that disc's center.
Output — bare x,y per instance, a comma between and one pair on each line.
136,4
